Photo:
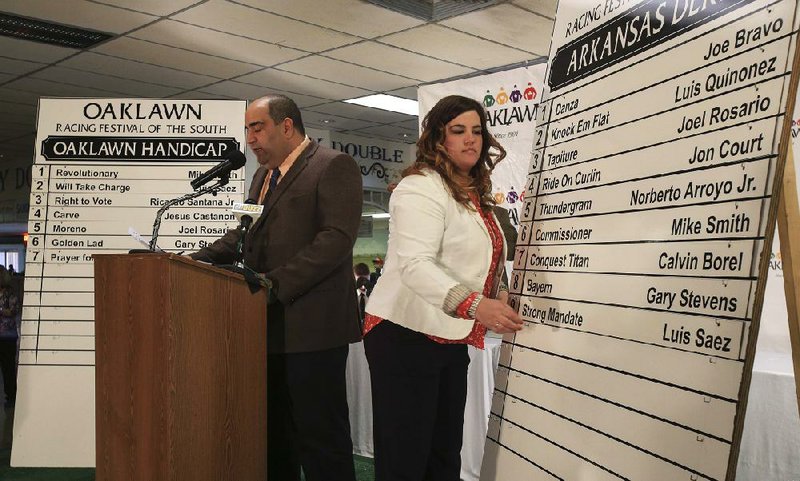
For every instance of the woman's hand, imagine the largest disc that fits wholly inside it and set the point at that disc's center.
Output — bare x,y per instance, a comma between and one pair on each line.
498,316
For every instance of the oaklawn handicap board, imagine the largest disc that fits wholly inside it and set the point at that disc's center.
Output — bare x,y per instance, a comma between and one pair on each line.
644,243
102,166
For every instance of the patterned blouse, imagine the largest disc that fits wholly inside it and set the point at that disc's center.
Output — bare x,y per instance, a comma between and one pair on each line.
476,336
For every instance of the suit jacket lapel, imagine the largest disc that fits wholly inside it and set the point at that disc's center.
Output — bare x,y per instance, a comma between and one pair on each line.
257,183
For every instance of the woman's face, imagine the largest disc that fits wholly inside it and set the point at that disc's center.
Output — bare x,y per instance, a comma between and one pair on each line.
463,141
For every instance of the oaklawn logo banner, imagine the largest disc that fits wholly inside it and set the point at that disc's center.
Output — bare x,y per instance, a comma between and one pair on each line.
510,99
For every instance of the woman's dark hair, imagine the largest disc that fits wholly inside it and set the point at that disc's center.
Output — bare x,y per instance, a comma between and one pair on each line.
431,153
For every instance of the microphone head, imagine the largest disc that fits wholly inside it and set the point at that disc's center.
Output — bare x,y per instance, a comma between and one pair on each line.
249,208
236,159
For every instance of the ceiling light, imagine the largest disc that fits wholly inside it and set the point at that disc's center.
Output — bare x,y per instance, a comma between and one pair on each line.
328,121
433,10
49,32
387,102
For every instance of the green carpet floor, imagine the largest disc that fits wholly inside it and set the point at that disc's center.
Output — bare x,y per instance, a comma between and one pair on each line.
365,468
364,471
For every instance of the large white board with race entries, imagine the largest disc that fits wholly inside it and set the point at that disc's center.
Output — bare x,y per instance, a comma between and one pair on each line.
103,166
644,244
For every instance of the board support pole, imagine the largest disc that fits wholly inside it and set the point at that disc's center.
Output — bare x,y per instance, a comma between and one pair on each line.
789,232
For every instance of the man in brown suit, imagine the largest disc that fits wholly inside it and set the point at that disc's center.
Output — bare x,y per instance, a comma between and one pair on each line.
303,243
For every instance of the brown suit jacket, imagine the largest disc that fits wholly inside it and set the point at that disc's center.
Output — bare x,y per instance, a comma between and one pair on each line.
303,243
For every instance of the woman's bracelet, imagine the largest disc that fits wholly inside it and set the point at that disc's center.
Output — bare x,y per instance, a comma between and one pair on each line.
473,308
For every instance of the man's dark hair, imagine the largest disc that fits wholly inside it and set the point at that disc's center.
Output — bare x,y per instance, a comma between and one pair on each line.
282,107
361,269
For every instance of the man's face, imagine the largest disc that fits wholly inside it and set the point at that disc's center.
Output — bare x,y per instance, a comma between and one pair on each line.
265,138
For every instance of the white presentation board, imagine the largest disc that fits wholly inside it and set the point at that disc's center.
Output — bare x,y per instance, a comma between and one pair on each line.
644,242
103,166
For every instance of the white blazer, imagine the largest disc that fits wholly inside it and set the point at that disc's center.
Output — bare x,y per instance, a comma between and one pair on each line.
435,243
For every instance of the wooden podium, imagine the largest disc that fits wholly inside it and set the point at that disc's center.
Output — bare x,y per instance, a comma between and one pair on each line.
180,371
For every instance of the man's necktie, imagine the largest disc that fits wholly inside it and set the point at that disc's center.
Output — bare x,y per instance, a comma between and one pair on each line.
273,179
362,307
273,183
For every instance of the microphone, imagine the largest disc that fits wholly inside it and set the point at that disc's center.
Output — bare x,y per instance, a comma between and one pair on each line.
247,212
233,160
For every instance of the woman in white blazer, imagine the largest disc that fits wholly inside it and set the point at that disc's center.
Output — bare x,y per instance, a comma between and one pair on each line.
439,291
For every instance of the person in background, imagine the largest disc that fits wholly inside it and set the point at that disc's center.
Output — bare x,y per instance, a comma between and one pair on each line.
303,243
362,292
440,291
509,231
361,271
363,288
377,263
9,334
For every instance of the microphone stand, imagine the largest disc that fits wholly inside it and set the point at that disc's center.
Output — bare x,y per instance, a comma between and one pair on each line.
205,190
240,245
254,279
